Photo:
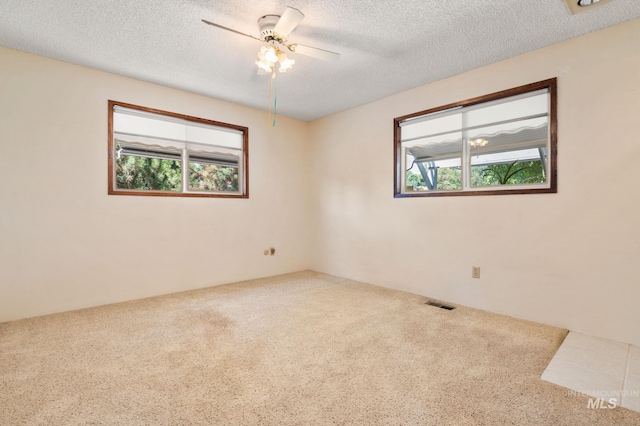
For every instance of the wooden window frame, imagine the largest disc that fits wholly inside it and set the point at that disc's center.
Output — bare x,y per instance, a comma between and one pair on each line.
550,84
244,179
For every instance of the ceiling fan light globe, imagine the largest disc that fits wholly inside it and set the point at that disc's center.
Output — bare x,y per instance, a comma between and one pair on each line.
284,60
270,55
285,63
263,65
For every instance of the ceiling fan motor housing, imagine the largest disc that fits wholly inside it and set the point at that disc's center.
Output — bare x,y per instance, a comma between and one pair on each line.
266,24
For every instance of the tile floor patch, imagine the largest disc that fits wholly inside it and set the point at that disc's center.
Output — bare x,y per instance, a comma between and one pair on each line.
631,396
597,367
634,364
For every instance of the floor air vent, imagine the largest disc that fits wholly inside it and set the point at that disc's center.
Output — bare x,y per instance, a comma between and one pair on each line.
440,305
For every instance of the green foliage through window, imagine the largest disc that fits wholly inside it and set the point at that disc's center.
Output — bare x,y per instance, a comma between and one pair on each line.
414,180
514,173
135,172
212,177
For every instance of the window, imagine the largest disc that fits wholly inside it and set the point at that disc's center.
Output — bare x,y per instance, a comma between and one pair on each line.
503,143
154,152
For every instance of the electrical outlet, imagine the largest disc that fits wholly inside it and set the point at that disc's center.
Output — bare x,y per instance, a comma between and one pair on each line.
475,272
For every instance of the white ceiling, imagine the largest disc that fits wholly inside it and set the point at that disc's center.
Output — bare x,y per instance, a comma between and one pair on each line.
386,46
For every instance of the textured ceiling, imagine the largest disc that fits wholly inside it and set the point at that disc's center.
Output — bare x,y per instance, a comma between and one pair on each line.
386,46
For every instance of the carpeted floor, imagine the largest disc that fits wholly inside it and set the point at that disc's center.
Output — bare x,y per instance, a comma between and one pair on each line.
302,348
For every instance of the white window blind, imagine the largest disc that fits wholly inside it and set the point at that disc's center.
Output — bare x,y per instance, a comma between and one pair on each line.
142,130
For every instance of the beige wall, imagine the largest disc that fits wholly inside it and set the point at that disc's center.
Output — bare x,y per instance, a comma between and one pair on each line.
66,244
569,259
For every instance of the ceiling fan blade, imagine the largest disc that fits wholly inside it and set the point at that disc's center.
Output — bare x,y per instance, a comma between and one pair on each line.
229,29
288,21
314,52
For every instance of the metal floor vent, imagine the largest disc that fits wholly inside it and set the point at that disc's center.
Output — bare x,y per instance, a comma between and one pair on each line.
440,305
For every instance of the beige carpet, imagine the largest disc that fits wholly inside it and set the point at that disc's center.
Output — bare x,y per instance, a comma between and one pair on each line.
303,348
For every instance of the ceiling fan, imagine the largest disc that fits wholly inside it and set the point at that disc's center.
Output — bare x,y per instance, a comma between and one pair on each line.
274,30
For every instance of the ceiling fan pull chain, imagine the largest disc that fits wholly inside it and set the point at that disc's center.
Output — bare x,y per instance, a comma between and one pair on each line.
275,99
269,100
272,94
